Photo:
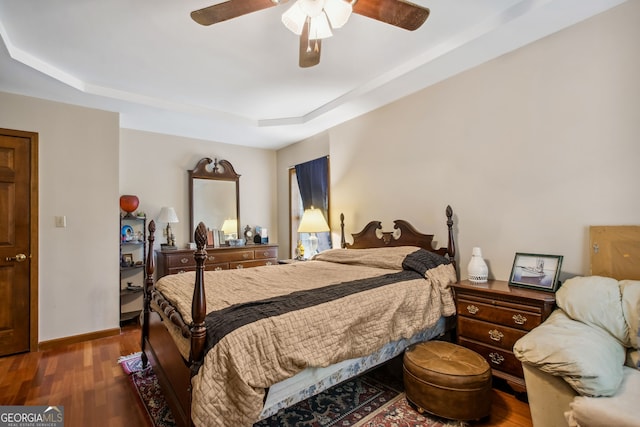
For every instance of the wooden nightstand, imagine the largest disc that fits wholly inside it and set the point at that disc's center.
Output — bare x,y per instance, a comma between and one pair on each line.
493,316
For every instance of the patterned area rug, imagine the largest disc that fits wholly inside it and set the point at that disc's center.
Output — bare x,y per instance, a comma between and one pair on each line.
364,401
146,385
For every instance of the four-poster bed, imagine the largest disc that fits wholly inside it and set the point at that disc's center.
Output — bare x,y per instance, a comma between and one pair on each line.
257,340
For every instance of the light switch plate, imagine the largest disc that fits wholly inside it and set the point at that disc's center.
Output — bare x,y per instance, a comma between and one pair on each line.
61,221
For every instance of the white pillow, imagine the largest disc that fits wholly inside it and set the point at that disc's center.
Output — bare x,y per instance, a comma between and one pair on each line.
587,358
596,301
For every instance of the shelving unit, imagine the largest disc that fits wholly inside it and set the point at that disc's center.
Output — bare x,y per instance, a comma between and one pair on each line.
133,243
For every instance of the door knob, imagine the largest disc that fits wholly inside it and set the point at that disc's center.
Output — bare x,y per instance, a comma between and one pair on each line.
17,258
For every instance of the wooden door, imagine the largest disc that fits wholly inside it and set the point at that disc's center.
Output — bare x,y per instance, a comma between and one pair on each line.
18,216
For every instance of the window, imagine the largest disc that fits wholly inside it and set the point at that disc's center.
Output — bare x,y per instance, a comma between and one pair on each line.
308,187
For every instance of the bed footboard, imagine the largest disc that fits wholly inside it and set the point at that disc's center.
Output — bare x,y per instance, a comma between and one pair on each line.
160,350
174,376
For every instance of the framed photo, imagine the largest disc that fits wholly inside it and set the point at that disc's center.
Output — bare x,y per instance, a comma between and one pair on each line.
536,271
127,260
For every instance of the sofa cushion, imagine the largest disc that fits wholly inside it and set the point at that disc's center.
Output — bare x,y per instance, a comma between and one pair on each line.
631,308
596,301
620,410
589,359
633,359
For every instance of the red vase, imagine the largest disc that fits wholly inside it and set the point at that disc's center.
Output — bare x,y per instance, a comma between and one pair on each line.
129,203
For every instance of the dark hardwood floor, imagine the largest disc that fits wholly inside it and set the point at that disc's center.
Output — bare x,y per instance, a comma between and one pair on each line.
86,379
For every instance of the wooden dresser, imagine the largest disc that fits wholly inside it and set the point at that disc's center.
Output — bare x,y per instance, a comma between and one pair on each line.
493,316
221,258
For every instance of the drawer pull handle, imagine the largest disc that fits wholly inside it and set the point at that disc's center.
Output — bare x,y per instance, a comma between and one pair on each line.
496,335
211,257
269,263
519,319
472,309
184,260
181,271
245,256
496,358
217,269
265,254
239,266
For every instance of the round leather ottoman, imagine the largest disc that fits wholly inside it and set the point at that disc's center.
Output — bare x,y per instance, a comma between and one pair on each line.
447,380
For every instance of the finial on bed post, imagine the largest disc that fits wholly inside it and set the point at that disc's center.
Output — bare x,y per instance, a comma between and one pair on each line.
148,287
199,303
451,247
343,241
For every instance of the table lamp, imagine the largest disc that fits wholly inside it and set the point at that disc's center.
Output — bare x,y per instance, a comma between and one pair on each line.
168,215
313,222
230,228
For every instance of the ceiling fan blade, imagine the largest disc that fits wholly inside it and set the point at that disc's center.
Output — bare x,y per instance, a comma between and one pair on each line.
231,9
395,12
309,49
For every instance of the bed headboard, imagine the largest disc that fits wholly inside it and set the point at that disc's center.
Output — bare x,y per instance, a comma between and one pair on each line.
408,236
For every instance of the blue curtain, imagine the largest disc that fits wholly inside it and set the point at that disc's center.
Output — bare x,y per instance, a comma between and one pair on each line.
313,182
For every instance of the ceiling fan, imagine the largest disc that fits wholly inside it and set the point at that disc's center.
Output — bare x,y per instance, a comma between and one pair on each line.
314,19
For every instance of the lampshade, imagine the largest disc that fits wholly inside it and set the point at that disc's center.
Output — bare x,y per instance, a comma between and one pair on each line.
313,221
230,226
323,15
168,215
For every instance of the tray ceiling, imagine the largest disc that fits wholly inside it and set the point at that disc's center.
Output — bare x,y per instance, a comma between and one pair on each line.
238,82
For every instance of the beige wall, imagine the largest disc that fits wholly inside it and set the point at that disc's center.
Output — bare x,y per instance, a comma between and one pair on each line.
78,178
85,163
154,167
529,149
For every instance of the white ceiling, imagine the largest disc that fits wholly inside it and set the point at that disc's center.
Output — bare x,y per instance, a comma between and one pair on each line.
238,81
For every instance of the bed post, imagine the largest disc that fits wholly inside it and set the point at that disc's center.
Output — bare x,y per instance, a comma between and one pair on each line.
343,241
451,246
146,291
199,303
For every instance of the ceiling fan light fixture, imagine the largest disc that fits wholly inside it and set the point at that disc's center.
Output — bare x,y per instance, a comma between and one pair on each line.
319,27
323,15
311,8
338,12
294,18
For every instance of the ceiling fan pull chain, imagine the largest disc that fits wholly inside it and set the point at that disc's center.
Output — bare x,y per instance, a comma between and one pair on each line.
308,23
316,49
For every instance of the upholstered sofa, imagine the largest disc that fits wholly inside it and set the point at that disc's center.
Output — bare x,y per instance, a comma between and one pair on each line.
581,365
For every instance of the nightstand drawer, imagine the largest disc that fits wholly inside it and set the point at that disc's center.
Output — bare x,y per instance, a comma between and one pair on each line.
498,359
489,333
511,315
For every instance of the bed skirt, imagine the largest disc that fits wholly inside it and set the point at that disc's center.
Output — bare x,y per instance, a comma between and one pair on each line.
312,381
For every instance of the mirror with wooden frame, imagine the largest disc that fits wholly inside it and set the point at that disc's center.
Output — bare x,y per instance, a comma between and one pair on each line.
214,194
